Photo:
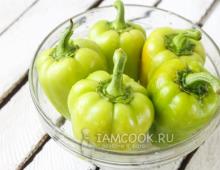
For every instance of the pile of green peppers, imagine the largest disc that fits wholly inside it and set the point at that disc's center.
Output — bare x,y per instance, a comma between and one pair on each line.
119,83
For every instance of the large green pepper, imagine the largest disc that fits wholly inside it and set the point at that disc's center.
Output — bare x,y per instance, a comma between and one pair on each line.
120,34
63,65
106,106
185,96
167,43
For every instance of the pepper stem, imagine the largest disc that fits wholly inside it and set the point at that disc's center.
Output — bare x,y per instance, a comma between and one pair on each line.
64,46
115,87
119,22
205,77
181,43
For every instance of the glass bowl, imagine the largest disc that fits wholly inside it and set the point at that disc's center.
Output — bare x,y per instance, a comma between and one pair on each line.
60,130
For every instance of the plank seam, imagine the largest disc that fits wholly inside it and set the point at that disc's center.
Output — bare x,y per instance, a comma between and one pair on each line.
207,13
19,17
96,4
6,97
32,154
38,147
157,3
186,160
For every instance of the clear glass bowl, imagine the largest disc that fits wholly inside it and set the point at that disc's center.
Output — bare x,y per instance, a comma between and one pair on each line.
149,18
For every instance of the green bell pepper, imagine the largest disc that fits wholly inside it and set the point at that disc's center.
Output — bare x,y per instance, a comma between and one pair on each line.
109,106
167,43
61,66
185,97
120,34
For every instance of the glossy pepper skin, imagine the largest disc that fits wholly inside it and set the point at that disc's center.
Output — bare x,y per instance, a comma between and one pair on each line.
63,65
109,105
120,34
167,43
185,97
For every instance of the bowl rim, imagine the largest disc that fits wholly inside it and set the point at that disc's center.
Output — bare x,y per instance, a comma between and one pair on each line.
58,131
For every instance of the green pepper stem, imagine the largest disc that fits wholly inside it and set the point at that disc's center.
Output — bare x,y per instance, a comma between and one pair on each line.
64,46
203,76
193,34
181,43
119,22
115,87
179,39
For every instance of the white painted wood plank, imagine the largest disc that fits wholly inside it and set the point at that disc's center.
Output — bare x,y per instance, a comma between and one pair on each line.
190,9
54,157
11,9
139,2
19,128
18,44
212,25
207,156
20,131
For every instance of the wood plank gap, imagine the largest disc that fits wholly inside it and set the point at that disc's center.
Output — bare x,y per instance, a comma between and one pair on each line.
186,160
97,168
16,19
96,4
207,13
38,147
94,168
5,98
157,3
31,155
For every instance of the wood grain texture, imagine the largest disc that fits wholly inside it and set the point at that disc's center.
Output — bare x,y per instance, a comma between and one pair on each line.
207,156
54,157
190,9
20,42
19,128
34,151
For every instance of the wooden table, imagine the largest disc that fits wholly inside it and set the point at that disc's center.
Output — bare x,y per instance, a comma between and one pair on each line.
23,25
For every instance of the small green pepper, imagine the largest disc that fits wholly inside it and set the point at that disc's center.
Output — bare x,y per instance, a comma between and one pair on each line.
185,96
109,106
167,43
63,65
120,34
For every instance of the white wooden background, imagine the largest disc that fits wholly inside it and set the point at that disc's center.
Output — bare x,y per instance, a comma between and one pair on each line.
23,25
